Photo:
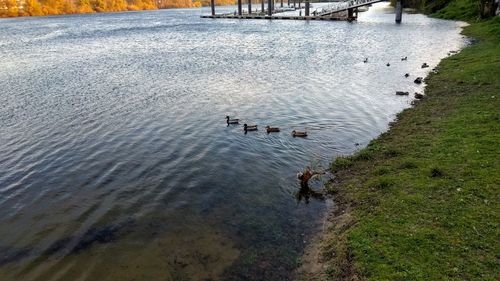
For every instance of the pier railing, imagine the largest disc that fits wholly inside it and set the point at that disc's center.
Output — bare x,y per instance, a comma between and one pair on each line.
343,6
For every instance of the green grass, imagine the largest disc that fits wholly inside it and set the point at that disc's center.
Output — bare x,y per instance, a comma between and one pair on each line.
446,9
457,9
421,202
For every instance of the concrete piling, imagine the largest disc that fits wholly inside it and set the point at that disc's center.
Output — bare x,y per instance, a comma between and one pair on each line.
399,11
352,13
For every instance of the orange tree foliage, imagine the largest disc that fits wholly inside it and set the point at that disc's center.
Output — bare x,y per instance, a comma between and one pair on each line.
223,2
14,8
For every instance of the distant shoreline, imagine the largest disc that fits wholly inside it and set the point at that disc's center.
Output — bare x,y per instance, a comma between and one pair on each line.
35,8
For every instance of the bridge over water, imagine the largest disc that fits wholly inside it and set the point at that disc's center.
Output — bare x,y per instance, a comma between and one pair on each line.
327,12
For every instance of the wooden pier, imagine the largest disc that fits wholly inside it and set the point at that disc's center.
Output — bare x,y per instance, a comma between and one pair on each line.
274,17
343,10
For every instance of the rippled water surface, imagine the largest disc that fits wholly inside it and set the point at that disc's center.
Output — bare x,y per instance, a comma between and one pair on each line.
115,159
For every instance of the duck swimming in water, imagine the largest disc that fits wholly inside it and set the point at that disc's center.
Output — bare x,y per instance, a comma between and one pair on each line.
388,64
366,60
232,121
247,128
407,75
405,58
418,80
424,65
299,133
272,129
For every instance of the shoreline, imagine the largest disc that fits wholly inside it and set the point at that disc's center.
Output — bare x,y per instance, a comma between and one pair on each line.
94,13
361,238
26,15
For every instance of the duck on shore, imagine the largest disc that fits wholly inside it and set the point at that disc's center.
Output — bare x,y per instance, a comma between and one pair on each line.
232,121
270,129
247,128
299,133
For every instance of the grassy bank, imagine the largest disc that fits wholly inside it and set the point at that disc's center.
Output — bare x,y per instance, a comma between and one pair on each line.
421,202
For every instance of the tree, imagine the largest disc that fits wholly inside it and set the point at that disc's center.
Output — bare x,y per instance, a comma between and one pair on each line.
117,5
3,8
12,8
487,8
99,5
84,7
33,8
69,7
53,7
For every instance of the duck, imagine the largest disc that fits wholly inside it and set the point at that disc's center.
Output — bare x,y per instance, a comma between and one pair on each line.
407,75
388,64
232,121
270,129
424,65
418,80
249,127
366,60
405,58
299,133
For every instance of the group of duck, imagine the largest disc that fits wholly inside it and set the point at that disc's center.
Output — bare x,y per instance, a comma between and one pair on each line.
418,80
295,133
269,129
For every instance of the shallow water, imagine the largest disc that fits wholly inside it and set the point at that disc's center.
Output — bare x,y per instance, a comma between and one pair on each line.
115,159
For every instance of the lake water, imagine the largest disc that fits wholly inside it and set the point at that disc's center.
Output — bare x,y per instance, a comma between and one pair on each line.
115,159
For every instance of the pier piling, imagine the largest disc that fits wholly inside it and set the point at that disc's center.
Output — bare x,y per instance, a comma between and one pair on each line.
212,6
269,7
307,8
239,8
249,6
399,11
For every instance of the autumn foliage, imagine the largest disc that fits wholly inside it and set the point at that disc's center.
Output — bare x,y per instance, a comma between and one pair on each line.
14,8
